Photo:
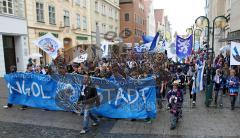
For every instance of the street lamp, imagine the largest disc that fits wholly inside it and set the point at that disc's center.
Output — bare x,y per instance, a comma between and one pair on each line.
203,22
197,32
189,31
219,22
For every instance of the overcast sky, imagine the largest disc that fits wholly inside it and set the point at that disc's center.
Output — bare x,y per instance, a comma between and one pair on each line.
181,13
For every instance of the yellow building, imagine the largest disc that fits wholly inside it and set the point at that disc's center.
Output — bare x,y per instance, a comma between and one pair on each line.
68,20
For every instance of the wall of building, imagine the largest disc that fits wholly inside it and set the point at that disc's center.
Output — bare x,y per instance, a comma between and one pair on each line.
13,23
159,19
149,11
107,20
216,8
235,15
137,23
79,36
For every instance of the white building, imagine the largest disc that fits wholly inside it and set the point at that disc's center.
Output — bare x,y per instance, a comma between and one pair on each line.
13,36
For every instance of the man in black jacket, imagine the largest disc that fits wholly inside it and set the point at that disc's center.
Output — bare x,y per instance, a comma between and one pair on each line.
89,98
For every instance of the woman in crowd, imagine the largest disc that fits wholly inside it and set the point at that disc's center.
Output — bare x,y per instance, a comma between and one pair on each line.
175,100
218,85
233,85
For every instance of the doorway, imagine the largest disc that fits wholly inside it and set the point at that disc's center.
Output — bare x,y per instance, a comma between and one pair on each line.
9,52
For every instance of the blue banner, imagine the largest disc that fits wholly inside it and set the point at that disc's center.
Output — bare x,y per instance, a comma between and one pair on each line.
184,46
120,98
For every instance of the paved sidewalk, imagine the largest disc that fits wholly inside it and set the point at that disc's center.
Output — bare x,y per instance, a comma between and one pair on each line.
197,122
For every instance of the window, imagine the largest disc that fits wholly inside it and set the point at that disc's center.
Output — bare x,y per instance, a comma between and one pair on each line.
77,2
126,16
126,31
96,6
110,28
116,30
78,21
84,3
103,28
84,23
103,9
40,12
110,12
7,6
116,14
66,18
52,15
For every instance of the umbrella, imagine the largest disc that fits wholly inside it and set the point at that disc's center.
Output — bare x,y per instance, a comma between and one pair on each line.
35,56
225,48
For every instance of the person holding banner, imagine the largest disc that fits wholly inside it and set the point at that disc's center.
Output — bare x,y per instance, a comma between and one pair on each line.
88,97
13,69
233,85
29,70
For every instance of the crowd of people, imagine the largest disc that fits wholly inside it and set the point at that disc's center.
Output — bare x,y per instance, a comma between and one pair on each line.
172,79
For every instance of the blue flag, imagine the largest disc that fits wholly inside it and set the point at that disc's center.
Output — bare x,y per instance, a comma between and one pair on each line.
147,39
154,42
184,46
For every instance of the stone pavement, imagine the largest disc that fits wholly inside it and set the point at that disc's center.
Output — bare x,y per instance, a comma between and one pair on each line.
197,122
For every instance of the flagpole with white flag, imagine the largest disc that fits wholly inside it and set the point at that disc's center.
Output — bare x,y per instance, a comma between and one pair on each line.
49,44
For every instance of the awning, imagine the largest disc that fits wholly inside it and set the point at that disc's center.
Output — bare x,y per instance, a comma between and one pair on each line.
232,36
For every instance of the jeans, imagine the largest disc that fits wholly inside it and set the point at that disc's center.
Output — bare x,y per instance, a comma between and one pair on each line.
217,94
233,100
194,96
88,114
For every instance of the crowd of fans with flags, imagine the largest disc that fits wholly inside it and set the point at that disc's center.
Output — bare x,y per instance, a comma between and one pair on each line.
167,74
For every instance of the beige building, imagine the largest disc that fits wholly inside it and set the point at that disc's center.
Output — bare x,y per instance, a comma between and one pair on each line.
68,20
215,8
105,17
234,34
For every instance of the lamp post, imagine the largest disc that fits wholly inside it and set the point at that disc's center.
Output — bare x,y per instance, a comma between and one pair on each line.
220,22
197,32
203,22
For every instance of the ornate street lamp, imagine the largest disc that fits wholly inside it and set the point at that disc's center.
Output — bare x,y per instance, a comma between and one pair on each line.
189,31
203,22
218,22
197,32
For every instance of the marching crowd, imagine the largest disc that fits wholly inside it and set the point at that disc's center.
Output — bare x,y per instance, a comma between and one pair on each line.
172,79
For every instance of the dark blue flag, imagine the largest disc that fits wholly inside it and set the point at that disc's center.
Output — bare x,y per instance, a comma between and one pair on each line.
184,46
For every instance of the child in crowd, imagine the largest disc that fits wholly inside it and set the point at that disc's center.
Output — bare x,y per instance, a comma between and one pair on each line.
233,85
175,100
218,85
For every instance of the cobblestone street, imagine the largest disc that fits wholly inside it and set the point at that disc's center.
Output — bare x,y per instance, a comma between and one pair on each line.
197,122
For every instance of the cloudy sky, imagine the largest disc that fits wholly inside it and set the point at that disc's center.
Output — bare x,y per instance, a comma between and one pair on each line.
181,13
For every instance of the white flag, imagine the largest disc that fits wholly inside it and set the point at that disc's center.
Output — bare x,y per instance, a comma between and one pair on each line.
81,58
104,47
235,53
49,44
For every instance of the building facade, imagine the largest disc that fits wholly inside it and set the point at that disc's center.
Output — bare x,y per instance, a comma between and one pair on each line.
132,19
159,20
215,8
68,20
104,18
149,11
167,29
13,36
234,34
